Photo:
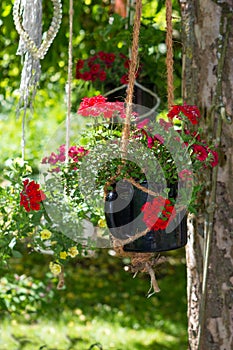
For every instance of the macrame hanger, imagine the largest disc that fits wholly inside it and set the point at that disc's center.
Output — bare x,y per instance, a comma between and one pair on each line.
69,81
143,262
61,277
169,56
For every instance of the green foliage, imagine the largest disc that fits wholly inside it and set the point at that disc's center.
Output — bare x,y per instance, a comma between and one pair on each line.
96,28
22,294
100,302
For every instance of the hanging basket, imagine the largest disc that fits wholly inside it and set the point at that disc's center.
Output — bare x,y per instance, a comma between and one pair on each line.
124,219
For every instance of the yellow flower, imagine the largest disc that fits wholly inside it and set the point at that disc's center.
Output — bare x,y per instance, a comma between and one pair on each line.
55,268
63,255
28,168
73,251
101,223
45,234
19,161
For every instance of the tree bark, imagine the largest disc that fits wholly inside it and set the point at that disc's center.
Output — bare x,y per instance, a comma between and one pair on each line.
208,83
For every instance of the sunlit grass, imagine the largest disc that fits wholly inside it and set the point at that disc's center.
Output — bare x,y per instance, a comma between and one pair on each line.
81,334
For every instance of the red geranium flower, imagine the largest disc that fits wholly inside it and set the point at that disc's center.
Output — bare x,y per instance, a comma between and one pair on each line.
31,196
86,76
151,140
191,112
124,79
98,105
102,55
157,213
127,63
80,64
164,124
95,68
185,175
88,102
214,156
102,75
110,58
143,123
94,76
200,152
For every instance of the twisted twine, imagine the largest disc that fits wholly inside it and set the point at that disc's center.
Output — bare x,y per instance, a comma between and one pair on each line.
132,77
169,56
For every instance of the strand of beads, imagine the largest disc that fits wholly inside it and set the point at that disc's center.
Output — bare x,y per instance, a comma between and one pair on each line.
38,52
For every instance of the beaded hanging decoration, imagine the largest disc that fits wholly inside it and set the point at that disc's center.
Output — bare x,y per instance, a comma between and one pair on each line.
38,52
27,15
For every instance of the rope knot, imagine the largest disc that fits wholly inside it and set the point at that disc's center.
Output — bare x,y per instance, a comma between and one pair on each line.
144,262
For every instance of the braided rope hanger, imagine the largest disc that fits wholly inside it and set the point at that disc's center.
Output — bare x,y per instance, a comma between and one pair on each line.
69,82
143,262
61,277
169,56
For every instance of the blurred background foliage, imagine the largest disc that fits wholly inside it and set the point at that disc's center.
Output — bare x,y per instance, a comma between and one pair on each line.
101,302
96,28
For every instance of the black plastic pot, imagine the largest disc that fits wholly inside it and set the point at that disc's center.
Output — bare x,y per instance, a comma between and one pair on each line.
124,219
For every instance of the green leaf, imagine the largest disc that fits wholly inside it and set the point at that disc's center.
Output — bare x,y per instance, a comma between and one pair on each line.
16,254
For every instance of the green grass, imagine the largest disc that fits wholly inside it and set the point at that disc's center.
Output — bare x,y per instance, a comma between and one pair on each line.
103,304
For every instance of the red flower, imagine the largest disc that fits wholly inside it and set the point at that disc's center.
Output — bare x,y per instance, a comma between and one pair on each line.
185,175
157,213
95,106
95,68
90,102
80,64
126,64
191,112
110,57
31,196
102,75
164,124
200,152
143,123
102,55
151,140
78,75
125,79
74,153
77,153
86,76
214,156
94,76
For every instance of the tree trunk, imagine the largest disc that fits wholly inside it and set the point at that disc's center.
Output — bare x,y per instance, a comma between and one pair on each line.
208,83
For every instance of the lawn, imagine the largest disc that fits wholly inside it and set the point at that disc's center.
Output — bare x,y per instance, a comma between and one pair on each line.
100,304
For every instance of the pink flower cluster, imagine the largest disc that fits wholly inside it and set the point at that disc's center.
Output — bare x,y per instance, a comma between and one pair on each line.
199,149
74,153
99,106
103,66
